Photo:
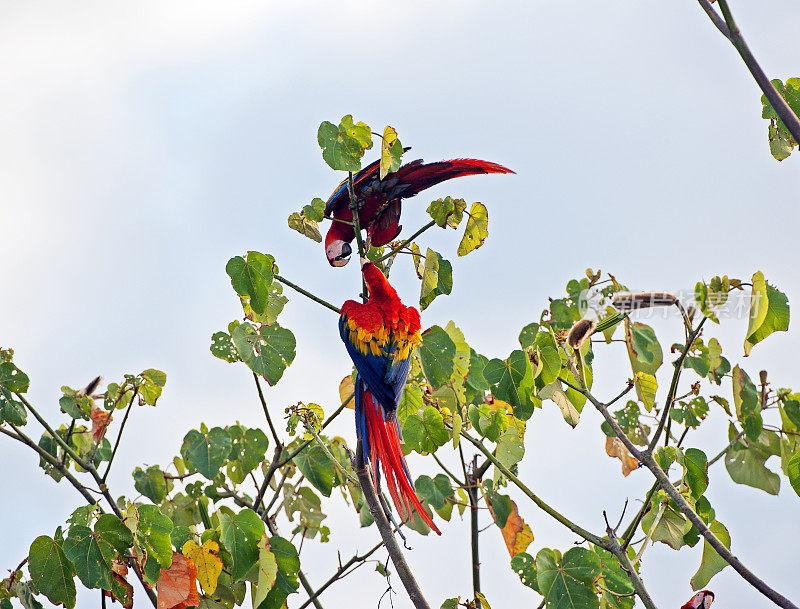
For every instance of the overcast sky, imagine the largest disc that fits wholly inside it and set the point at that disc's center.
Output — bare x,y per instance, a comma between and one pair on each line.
144,144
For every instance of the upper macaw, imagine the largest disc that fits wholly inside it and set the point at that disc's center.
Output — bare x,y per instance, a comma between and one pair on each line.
379,200
701,600
380,336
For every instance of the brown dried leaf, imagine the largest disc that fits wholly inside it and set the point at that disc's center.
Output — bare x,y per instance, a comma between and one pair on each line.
99,425
615,448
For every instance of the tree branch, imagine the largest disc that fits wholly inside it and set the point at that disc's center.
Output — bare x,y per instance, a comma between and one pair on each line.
646,458
673,387
734,35
338,574
578,530
385,529
266,412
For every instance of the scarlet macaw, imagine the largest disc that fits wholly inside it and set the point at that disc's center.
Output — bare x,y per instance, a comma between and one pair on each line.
379,200
701,600
380,336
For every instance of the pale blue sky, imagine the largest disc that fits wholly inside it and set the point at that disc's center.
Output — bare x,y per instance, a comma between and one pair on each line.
145,144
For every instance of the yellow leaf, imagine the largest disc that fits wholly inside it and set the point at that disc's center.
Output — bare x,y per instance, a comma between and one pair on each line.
205,559
347,392
267,571
615,448
516,533
646,387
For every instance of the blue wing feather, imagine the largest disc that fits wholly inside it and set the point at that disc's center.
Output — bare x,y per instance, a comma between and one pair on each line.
384,375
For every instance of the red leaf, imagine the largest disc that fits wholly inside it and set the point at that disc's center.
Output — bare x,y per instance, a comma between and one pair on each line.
99,425
177,586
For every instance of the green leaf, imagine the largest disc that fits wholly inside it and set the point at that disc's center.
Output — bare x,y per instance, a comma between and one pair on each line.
437,278
74,404
748,408
286,582
153,534
51,572
450,603
435,491
477,229
695,465
527,336
511,380
222,347
567,583
13,379
447,211
793,471
669,529
267,352
769,312
93,553
644,351
712,295
781,142
510,445
524,565
425,433
267,571
343,146
410,403
251,278
154,381
249,447
711,563
11,410
240,534
391,151
745,463
207,452
315,465
437,356
150,483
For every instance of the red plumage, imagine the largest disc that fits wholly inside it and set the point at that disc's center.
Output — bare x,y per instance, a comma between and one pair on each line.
701,600
380,200
380,336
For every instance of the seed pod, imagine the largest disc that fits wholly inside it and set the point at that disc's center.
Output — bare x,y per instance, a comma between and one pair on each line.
629,301
89,389
580,331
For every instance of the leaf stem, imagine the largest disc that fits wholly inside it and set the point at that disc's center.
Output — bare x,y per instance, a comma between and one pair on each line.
307,294
266,412
447,471
407,241
59,440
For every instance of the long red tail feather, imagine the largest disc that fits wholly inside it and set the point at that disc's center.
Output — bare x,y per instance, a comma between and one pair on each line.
385,452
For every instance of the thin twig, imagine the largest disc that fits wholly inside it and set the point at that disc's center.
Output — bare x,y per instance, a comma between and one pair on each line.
340,572
726,449
718,22
307,294
119,435
407,241
673,387
447,471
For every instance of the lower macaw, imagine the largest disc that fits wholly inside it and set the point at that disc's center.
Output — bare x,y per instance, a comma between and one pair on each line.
701,600
380,336
379,200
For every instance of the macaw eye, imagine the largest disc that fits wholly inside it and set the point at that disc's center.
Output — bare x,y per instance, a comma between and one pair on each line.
346,251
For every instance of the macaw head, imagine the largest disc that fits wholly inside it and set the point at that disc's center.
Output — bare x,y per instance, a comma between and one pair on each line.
378,286
701,600
337,249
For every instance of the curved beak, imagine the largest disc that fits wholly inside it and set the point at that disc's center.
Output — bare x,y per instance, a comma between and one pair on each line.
338,253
